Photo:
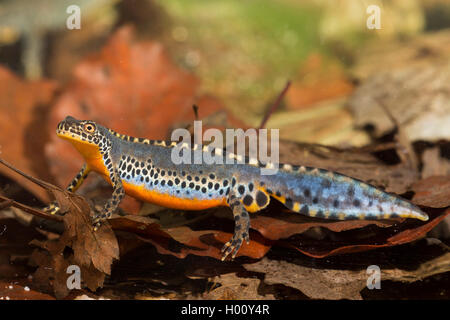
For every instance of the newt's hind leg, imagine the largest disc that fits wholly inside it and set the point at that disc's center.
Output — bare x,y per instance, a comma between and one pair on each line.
241,227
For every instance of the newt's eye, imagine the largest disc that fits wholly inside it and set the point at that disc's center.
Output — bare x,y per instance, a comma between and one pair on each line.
89,127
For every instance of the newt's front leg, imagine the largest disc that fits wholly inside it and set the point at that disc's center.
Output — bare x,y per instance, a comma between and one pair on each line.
114,202
73,186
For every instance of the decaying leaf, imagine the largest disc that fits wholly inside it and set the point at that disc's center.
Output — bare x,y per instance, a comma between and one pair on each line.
93,252
391,237
233,287
182,240
319,283
315,283
283,224
416,95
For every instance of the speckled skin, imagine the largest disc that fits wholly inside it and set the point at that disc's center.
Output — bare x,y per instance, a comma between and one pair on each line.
143,168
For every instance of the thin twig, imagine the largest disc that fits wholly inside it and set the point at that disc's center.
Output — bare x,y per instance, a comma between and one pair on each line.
31,210
195,108
274,106
26,208
5,204
39,182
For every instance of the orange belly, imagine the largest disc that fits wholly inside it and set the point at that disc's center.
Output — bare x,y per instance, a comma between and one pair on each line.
169,201
161,199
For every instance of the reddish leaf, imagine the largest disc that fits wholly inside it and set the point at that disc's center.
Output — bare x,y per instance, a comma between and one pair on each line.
281,224
402,237
181,241
10,291
318,81
23,121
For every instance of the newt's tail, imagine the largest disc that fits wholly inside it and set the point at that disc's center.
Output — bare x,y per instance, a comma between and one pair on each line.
326,194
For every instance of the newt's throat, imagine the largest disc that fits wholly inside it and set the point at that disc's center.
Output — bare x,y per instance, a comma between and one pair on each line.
86,149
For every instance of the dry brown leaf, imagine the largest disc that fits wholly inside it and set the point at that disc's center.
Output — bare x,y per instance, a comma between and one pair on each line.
417,95
387,238
283,224
233,287
182,240
315,283
93,252
334,284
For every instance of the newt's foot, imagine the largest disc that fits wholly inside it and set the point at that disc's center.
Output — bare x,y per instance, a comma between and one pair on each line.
99,217
96,225
52,208
233,246
97,221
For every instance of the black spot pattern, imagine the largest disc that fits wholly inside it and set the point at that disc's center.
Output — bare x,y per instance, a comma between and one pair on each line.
248,200
320,214
289,204
261,199
307,193
304,210
167,180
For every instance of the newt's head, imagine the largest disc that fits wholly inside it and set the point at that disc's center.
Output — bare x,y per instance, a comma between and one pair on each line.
85,135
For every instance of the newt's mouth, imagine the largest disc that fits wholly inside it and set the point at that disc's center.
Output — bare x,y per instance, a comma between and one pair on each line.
73,134
67,135
74,137
64,130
